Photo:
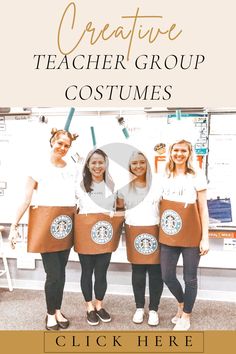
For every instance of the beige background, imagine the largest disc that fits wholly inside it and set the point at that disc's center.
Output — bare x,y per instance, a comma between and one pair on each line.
30,27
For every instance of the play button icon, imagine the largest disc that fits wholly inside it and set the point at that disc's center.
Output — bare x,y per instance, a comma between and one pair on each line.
121,177
122,169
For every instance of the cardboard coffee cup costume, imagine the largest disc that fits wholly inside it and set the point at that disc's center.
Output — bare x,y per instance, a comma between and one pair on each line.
176,226
97,233
142,244
56,228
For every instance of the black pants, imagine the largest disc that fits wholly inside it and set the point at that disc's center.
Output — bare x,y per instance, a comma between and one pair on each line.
54,265
139,272
97,264
169,259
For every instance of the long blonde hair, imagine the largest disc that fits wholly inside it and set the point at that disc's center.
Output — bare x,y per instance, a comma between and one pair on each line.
190,168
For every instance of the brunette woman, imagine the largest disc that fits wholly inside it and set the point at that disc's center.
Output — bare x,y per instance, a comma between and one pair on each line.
97,233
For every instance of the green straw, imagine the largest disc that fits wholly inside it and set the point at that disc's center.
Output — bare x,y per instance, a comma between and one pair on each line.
93,136
69,119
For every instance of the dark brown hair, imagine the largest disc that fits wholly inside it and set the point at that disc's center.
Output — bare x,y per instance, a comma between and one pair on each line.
87,177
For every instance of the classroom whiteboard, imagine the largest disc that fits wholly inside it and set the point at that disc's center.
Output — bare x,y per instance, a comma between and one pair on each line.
25,139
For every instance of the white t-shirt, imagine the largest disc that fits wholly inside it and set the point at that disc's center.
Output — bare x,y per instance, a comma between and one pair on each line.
183,188
99,200
146,211
56,185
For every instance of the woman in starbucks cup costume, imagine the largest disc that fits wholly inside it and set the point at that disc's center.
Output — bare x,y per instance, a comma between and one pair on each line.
183,227
97,232
50,228
141,202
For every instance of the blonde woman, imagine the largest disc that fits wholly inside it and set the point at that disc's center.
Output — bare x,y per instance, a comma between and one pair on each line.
183,227
141,202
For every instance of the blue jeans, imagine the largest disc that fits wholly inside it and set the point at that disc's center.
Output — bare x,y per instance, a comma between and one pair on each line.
191,258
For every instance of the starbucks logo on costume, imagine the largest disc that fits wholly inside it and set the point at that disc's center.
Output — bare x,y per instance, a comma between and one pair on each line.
102,232
61,226
171,222
145,244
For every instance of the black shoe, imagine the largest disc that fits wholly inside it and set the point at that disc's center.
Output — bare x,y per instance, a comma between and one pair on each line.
103,315
63,324
92,318
51,328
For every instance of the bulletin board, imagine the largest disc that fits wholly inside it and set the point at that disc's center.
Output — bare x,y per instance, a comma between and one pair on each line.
221,174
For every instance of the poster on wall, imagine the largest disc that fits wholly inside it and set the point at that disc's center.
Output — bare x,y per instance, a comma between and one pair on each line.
122,64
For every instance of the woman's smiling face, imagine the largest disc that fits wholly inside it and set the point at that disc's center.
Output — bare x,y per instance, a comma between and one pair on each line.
97,166
138,165
61,145
180,154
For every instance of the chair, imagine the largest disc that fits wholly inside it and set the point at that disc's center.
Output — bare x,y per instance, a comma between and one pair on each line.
5,264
